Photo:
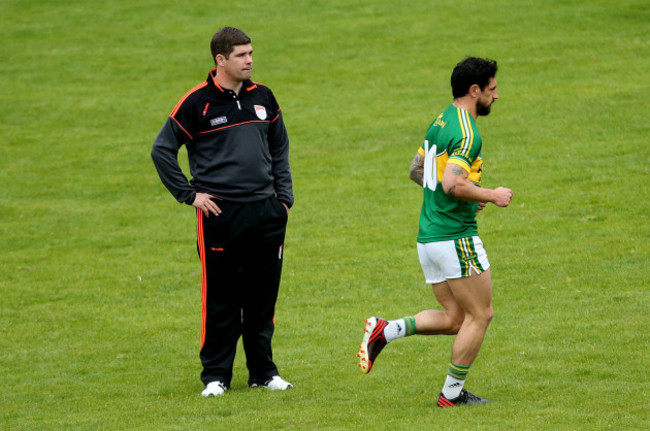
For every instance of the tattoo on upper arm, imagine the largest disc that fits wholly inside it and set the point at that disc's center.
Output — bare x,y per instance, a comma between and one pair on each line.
417,169
457,170
452,172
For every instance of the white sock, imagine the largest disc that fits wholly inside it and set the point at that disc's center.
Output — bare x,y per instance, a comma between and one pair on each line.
452,387
395,329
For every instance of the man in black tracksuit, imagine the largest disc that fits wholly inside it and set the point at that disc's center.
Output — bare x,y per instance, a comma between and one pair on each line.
241,185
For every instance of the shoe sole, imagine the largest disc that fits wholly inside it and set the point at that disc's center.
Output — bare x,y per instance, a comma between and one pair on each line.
205,394
445,403
364,358
255,386
212,394
218,391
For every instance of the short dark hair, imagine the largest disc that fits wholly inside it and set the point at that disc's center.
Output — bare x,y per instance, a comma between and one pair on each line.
224,40
470,71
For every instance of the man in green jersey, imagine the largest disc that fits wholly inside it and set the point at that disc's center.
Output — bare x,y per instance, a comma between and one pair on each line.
449,166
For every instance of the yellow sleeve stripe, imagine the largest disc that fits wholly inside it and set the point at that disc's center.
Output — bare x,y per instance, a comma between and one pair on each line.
466,129
421,151
460,163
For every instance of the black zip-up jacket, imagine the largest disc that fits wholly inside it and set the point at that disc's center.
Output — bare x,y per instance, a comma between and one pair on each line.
237,145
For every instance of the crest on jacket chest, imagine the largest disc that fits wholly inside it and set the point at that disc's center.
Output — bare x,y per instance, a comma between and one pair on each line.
260,111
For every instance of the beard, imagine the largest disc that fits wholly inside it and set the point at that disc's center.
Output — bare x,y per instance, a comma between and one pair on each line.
482,109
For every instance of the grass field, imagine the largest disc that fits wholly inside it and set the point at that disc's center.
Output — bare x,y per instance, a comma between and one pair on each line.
99,278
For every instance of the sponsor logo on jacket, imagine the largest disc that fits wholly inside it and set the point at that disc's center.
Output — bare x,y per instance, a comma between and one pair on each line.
218,120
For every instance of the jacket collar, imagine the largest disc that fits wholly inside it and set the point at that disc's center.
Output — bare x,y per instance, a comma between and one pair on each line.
247,85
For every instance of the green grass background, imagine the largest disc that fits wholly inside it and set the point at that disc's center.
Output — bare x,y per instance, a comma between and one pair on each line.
99,278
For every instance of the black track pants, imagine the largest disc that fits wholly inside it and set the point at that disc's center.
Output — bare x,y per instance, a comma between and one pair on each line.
241,253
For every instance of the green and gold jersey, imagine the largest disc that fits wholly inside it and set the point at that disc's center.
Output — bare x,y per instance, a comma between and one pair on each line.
452,138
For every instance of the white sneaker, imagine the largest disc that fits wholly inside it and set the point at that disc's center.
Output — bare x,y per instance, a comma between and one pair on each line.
275,383
214,389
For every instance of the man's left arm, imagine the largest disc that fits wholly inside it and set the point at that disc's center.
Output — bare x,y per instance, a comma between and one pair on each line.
456,183
279,149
